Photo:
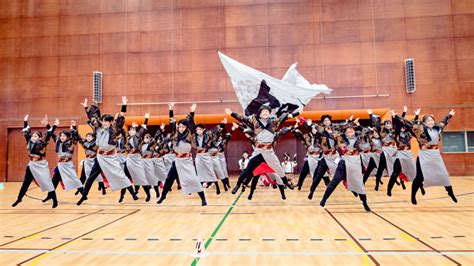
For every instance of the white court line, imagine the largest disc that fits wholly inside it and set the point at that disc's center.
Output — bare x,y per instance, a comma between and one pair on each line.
390,253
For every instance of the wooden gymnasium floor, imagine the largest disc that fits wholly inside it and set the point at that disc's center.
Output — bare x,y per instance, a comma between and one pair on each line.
265,231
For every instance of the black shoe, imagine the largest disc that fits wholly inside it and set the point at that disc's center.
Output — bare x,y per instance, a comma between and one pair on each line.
135,197
377,186
203,203
243,188
355,194
121,198
310,195
81,201
16,203
103,191
366,207
46,199
403,185
235,189
389,193
55,204
322,203
160,200
413,200
299,188
77,192
290,186
453,197
179,187
423,192
148,197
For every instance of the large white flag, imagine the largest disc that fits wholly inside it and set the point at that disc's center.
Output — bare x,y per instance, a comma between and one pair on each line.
254,88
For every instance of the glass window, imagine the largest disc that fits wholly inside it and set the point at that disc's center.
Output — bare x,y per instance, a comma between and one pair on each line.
470,141
454,141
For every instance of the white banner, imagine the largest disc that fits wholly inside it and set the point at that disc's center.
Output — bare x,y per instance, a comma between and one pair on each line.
254,87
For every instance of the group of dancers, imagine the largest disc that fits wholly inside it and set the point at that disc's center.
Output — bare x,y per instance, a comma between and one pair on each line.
347,151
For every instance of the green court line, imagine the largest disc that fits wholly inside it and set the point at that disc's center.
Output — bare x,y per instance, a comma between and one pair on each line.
209,240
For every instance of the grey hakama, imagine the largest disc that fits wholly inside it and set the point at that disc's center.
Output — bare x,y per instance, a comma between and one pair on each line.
40,171
160,168
122,158
136,167
113,171
67,170
205,167
332,160
354,177
269,155
433,168
87,163
188,178
407,162
169,158
390,156
216,164
151,178
365,154
223,163
313,160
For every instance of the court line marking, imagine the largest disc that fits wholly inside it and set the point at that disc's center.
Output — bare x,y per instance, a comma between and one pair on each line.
36,234
37,258
348,253
417,238
209,240
359,245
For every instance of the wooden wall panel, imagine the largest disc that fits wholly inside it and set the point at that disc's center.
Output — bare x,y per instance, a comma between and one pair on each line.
161,51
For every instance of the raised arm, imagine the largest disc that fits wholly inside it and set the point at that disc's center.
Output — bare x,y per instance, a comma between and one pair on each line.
26,129
190,118
172,119
50,131
447,118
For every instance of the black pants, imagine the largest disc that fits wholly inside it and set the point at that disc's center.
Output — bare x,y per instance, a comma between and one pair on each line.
397,170
339,176
172,176
319,174
382,167
370,167
247,173
83,179
303,174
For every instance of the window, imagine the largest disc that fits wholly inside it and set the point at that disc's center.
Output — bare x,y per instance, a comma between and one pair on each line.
458,141
470,141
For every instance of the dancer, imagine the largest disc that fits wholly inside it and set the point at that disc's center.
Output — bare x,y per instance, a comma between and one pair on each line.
147,148
404,166
430,167
183,165
201,142
219,144
106,161
37,168
134,167
312,143
88,144
65,171
160,149
264,127
349,166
